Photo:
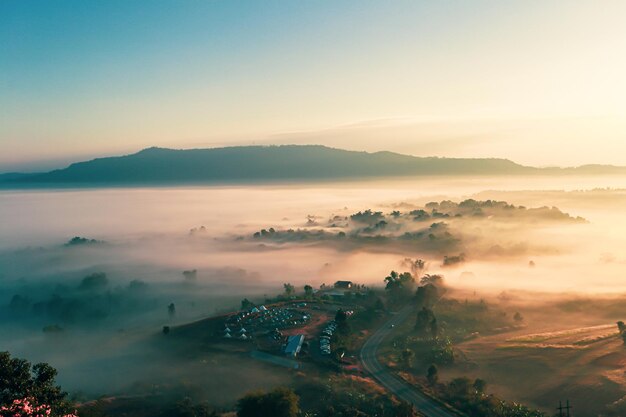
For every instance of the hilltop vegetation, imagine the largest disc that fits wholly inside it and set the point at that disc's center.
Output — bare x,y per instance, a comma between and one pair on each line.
437,227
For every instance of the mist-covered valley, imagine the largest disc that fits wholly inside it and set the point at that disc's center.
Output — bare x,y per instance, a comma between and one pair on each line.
95,272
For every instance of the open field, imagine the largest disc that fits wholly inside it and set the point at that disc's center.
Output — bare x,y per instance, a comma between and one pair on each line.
580,337
529,348
583,364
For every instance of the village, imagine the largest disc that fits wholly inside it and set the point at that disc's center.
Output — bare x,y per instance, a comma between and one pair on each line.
290,330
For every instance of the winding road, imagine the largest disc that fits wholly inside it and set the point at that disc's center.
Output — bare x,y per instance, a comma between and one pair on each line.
403,390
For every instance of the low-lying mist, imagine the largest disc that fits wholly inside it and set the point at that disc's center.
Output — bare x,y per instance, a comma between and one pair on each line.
204,249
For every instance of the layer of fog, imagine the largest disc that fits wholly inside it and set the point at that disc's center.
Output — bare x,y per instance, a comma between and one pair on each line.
147,240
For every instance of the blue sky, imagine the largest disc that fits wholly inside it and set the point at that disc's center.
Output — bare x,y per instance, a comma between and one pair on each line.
87,78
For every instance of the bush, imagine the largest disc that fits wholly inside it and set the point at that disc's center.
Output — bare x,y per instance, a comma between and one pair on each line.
281,402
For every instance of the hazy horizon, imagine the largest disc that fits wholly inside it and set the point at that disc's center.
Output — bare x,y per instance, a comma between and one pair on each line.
37,166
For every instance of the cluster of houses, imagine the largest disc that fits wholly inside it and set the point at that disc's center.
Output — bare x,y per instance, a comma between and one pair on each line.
276,318
243,324
240,333
270,321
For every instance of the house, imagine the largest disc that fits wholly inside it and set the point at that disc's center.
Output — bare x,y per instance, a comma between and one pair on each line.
343,284
294,344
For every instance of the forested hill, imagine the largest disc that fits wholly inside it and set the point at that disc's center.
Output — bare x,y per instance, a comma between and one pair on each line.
270,163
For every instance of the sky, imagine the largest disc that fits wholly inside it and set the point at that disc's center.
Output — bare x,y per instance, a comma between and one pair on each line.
541,83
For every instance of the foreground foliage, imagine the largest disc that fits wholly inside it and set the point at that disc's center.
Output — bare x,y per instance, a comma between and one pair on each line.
30,390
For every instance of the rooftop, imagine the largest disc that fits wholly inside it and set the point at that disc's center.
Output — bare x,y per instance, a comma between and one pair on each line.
294,344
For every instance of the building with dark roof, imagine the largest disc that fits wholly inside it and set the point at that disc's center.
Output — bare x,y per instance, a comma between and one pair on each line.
294,344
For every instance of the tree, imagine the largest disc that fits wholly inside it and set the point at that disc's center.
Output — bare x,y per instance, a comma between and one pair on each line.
480,385
289,289
407,356
399,285
171,310
246,304
186,408
95,281
404,409
518,317
391,280
191,274
281,402
341,318
25,387
399,281
308,291
424,322
137,285
459,388
434,279
417,265
434,328
621,327
427,295
28,408
432,374
442,352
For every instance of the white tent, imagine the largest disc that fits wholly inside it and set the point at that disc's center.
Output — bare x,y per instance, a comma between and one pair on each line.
263,308
227,336
243,337
255,310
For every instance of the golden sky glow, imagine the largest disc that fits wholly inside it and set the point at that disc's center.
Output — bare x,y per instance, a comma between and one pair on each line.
538,82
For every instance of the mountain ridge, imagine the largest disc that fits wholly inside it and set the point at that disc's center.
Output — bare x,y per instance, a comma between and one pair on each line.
157,165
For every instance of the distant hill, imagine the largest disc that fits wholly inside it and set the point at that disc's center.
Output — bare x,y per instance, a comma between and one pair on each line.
10,176
271,163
